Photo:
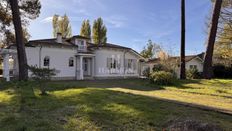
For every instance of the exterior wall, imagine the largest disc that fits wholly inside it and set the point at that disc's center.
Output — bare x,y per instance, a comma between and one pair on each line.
101,69
197,62
59,59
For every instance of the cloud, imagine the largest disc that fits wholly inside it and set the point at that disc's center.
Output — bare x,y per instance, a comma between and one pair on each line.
82,12
115,21
47,20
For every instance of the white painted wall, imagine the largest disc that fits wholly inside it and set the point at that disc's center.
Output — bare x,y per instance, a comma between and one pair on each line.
196,61
101,56
59,59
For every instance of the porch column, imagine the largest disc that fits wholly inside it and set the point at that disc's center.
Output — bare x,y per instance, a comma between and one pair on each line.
81,68
6,71
93,66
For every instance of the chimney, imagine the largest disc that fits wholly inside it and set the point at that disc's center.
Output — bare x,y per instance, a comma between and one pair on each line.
59,38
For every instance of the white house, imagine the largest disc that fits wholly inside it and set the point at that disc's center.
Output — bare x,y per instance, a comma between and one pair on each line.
191,61
76,58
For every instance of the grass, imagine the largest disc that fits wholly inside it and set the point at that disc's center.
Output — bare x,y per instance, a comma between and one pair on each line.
112,105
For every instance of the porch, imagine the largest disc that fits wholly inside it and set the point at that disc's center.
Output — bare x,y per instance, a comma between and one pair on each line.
85,64
9,64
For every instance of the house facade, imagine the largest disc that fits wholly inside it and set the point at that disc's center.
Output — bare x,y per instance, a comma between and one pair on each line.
76,58
191,61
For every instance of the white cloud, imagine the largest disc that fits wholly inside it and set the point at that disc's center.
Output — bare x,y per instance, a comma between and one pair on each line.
115,21
47,20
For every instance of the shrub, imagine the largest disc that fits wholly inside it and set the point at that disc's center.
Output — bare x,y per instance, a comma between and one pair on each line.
163,67
146,72
162,78
192,74
158,67
221,71
42,75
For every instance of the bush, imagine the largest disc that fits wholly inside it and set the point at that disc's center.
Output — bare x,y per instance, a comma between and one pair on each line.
42,76
163,67
162,78
146,72
221,71
193,74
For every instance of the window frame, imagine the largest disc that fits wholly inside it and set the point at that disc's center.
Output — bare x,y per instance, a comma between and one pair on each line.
71,62
46,61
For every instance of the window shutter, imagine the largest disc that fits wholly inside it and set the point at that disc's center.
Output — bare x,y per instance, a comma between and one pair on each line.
126,64
118,63
134,64
108,62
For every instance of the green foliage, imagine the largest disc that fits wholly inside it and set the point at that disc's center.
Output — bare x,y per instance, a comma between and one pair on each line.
61,24
222,71
30,9
151,50
127,107
42,75
162,78
146,72
192,73
99,32
160,67
85,29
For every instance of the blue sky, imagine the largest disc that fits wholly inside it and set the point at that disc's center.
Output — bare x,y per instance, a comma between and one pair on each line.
132,22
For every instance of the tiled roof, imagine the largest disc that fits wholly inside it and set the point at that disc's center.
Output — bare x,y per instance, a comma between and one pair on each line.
51,42
109,45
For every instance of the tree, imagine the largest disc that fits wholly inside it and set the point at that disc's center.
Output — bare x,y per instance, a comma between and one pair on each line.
99,32
61,24
22,59
223,45
182,49
151,50
85,29
207,68
42,76
29,10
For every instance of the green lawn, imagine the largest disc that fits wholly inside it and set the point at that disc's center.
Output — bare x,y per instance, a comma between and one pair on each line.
112,105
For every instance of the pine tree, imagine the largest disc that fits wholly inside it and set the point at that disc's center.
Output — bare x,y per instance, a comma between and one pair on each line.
99,32
61,25
27,11
22,59
182,50
207,68
85,29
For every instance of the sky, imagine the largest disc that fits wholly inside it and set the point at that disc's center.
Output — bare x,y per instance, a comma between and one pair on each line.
131,23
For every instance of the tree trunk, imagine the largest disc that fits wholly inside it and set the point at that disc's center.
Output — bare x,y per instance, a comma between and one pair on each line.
207,68
182,50
22,59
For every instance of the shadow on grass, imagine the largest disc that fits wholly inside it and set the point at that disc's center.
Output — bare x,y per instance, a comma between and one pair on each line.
96,108
135,84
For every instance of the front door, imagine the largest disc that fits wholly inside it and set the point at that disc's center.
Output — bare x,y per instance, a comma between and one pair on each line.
86,67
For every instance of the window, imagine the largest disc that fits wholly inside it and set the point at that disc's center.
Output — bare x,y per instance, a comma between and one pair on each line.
85,65
113,63
193,66
46,61
71,62
81,45
131,64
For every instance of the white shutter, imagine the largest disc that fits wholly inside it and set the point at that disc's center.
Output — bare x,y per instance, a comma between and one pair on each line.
108,62
126,64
